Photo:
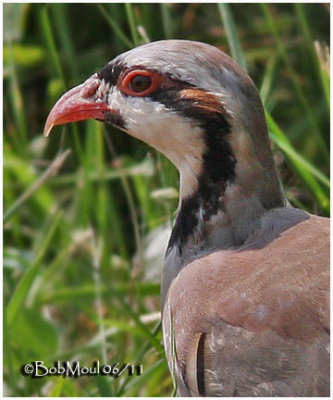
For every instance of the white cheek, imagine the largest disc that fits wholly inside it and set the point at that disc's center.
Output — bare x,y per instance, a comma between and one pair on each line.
149,121
144,119
165,130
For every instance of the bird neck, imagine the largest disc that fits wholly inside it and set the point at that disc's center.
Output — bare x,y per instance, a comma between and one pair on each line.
226,186
234,188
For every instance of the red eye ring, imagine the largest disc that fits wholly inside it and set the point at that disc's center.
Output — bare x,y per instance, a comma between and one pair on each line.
126,84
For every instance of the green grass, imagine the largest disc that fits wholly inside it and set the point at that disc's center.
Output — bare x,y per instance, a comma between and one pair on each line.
78,207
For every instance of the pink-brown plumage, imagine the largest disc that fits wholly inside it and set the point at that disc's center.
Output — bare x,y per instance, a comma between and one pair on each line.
245,285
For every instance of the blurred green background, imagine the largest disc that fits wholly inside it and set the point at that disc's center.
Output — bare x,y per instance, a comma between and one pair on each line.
88,211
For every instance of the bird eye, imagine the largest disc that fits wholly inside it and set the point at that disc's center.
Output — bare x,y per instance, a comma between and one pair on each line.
140,82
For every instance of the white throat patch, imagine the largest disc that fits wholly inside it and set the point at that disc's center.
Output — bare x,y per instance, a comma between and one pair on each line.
177,137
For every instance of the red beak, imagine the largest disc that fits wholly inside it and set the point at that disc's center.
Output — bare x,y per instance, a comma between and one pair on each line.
78,104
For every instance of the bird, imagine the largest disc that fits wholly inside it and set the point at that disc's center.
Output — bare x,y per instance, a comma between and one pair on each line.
245,282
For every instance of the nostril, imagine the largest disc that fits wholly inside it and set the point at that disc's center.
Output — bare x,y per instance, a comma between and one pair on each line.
90,86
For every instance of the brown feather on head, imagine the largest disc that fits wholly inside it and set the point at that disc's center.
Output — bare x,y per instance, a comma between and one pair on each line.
202,100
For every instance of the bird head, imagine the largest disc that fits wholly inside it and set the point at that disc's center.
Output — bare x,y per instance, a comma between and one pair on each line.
190,101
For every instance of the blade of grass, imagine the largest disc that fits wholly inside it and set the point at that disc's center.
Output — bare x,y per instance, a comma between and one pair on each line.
304,169
294,79
152,339
24,285
132,24
105,200
283,140
86,292
98,297
139,358
324,61
143,34
65,37
57,389
310,44
267,82
46,29
51,274
114,26
130,200
8,355
231,31
103,384
51,171
166,20
18,109
140,380
145,169
55,66
73,353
